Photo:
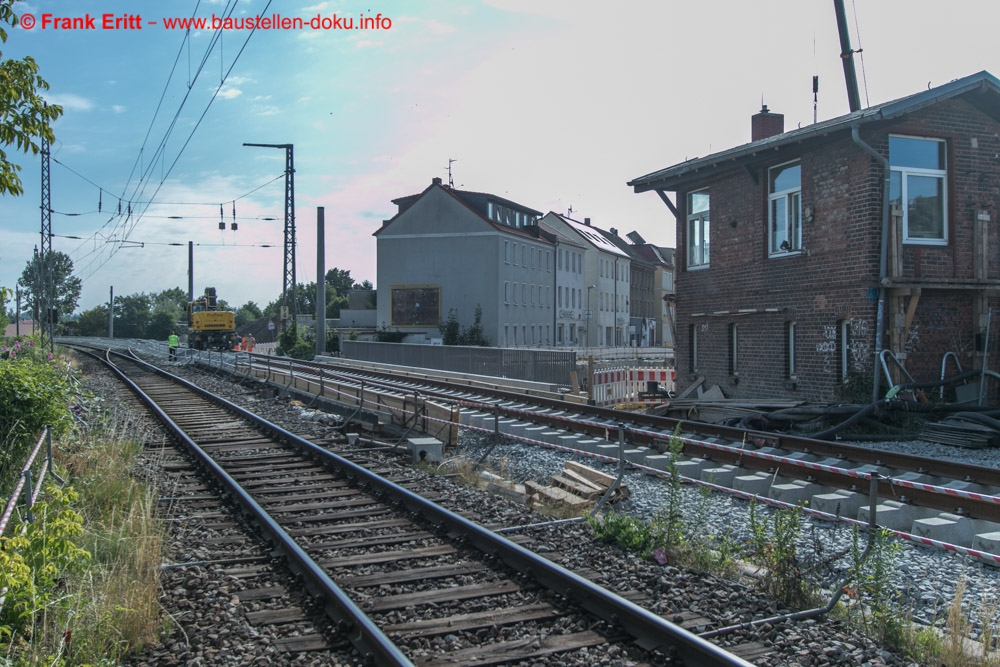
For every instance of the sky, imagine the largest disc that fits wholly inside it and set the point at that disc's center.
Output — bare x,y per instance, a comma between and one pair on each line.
554,104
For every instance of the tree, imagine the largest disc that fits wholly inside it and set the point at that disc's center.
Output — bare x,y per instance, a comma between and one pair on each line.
49,282
340,280
173,301
132,316
93,322
247,313
24,117
452,333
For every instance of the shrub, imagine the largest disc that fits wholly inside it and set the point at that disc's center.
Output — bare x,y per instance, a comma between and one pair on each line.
34,392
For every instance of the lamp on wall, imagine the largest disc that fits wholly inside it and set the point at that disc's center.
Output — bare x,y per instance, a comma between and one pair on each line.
808,214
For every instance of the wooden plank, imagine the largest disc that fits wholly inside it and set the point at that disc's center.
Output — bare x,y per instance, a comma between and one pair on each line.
475,621
301,644
389,556
447,594
604,481
690,390
373,540
266,593
405,576
276,616
567,484
527,649
558,496
580,479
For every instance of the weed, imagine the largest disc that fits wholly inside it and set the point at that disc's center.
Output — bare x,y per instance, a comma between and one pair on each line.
774,548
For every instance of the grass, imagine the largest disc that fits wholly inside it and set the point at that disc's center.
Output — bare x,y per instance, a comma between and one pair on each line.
111,608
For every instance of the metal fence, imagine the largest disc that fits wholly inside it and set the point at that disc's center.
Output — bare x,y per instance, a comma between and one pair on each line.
553,367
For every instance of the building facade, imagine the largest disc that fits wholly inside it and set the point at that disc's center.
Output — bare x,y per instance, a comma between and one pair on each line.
448,251
804,254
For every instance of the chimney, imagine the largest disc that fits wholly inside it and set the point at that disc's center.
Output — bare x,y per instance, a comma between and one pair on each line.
436,181
766,124
586,221
614,232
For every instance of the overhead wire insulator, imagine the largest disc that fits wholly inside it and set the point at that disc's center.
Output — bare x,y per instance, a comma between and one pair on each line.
234,225
222,219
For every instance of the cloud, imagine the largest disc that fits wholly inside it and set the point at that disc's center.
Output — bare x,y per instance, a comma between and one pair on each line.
317,7
367,44
117,108
70,101
439,28
230,93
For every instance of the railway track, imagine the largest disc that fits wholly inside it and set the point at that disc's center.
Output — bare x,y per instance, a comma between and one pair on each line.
931,502
404,579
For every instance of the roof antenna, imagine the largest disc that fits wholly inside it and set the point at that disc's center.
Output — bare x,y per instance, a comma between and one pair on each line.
815,97
451,183
569,211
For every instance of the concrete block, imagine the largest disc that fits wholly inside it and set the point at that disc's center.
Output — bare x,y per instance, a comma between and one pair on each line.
610,451
589,445
722,475
535,433
426,449
840,503
945,527
569,440
657,461
692,467
636,455
758,484
793,493
988,542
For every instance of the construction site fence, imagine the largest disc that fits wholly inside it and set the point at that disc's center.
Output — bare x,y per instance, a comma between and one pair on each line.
548,366
615,386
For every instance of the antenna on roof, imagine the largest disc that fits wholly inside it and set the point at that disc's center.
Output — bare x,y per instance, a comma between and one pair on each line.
815,97
451,183
569,211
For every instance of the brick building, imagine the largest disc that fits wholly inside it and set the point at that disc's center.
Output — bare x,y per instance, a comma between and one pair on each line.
803,254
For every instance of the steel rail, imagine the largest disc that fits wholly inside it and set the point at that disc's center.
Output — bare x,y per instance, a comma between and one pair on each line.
366,637
651,631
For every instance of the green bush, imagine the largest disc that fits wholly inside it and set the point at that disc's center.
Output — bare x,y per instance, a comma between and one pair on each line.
34,392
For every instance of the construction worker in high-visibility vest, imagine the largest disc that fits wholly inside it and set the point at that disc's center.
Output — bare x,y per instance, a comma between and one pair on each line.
173,341
243,343
251,343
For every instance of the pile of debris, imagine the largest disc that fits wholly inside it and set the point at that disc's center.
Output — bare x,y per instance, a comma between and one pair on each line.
577,488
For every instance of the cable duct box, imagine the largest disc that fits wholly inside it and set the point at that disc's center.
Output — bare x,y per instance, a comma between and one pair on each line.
426,450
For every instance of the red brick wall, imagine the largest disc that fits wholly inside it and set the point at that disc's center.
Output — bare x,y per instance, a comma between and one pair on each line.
836,280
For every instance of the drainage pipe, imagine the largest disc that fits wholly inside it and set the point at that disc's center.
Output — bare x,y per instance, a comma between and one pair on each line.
883,259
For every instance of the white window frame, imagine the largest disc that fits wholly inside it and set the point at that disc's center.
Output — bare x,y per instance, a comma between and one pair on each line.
903,173
698,237
791,197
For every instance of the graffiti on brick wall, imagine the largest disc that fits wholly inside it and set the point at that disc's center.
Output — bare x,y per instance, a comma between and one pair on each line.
827,349
912,343
704,328
860,349
946,317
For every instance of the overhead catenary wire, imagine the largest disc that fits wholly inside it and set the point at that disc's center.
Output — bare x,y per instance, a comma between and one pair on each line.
123,226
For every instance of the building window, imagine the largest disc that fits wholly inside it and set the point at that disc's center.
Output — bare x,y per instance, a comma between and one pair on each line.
514,294
524,294
693,351
785,206
734,350
506,252
790,360
844,348
917,187
697,229
506,292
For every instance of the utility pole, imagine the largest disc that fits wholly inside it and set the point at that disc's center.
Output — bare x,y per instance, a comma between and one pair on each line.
45,256
288,281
